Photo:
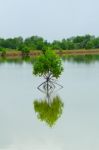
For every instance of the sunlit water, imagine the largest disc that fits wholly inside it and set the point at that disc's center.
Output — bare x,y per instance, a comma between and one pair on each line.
76,129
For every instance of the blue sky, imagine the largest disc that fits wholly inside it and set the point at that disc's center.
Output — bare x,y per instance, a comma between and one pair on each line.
51,19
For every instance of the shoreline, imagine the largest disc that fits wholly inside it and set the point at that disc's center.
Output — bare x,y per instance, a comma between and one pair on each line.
18,54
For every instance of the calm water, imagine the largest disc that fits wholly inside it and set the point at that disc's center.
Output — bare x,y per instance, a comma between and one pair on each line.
78,126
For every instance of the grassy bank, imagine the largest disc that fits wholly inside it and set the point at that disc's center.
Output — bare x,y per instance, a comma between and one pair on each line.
19,54
79,52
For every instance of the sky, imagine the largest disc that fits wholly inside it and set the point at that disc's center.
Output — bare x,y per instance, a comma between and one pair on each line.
50,19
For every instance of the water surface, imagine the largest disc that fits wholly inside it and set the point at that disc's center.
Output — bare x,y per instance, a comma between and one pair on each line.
78,126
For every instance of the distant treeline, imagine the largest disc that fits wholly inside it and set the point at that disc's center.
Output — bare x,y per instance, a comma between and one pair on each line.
38,43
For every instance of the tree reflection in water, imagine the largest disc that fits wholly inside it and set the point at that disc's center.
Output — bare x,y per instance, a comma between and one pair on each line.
49,112
49,109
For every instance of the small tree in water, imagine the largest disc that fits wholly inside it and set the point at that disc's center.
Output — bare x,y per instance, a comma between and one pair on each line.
48,65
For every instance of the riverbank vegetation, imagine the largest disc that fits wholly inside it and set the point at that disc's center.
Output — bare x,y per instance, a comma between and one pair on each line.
34,45
38,43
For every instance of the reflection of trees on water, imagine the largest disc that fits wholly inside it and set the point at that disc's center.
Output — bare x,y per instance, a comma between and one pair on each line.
87,59
49,109
49,112
17,60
